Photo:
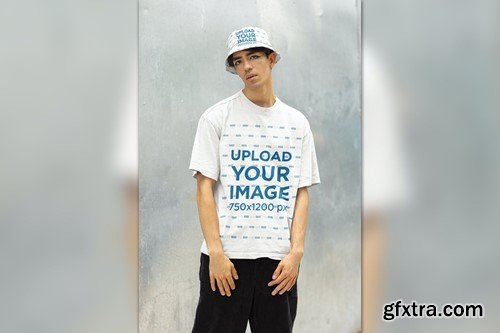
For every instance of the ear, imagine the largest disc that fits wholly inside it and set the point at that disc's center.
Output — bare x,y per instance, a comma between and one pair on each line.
272,58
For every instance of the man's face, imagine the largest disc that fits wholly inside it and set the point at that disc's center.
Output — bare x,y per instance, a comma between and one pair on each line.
253,67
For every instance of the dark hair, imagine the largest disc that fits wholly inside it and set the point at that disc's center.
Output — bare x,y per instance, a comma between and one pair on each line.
266,51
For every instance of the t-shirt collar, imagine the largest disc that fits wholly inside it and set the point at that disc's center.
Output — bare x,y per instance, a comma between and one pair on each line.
257,108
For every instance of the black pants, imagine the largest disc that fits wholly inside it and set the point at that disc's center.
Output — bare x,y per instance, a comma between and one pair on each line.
250,301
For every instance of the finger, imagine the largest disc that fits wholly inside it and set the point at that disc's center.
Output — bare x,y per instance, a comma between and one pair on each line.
293,283
212,283
287,287
221,287
234,273
280,278
277,271
226,287
279,287
231,282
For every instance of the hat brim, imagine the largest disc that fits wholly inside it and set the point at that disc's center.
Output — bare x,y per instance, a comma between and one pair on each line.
251,45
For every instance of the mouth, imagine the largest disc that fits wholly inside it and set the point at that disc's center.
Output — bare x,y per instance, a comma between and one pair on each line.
251,76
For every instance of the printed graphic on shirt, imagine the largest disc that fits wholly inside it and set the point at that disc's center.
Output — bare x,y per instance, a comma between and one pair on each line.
265,173
260,168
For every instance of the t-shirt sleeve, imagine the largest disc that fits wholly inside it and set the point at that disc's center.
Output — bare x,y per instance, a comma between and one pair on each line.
309,172
205,155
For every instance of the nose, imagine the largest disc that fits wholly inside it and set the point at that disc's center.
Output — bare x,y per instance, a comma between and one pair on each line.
247,65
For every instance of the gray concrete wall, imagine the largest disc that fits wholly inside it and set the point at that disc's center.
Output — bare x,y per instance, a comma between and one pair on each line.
181,73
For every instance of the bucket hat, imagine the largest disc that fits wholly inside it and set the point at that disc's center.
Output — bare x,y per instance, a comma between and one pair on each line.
247,38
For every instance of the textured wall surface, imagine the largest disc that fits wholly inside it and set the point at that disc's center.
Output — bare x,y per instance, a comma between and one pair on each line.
181,74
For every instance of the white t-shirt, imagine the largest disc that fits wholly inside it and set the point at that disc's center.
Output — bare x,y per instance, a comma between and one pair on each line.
259,158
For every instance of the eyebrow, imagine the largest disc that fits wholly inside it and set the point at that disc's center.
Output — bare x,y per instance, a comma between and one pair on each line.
248,53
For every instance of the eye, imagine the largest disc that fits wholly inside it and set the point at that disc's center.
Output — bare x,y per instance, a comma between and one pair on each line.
237,62
254,56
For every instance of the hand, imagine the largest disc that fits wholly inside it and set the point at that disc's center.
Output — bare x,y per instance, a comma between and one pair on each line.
286,274
222,272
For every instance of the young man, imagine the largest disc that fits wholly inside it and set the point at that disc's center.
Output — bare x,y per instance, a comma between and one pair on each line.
253,158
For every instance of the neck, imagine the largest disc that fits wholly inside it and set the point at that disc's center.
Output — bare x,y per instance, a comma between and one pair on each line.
262,96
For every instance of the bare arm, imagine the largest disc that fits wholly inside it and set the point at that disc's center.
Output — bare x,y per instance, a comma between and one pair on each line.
222,271
208,214
299,224
287,271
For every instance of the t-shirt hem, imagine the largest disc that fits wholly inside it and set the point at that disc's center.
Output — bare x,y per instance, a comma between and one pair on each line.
251,255
206,172
307,183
